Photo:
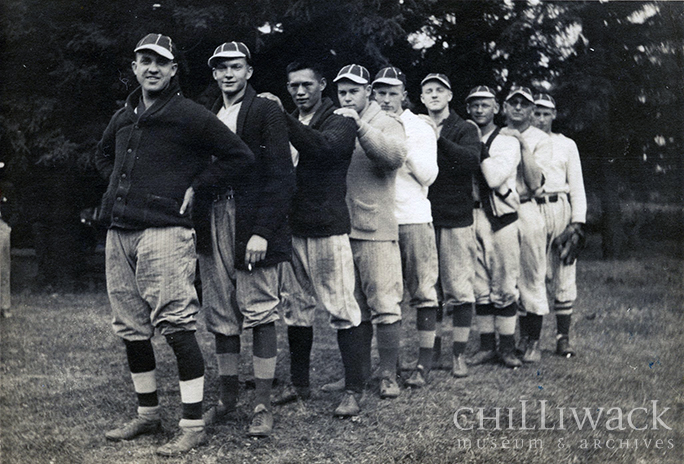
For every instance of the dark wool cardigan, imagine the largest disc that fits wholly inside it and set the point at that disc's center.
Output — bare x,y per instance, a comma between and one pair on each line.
264,195
458,158
325,149
151,159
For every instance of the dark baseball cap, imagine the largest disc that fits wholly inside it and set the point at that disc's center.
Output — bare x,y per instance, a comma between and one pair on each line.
158,43
522,91
442,78
546,100
230,50
390,76
355,73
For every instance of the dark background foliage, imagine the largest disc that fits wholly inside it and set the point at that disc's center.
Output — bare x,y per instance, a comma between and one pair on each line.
614,67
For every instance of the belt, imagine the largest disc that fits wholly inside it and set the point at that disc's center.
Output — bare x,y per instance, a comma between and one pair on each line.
548,198
478,204
227,195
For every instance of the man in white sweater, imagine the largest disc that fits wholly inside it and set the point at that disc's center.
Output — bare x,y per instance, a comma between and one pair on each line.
565,206
414,214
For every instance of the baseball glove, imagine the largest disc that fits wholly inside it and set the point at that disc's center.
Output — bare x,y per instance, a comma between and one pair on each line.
570,243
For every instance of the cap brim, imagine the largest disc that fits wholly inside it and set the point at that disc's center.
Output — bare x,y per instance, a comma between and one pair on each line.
545,104
522,94
159,50
351,77
388,81
233,54
480,95
438,79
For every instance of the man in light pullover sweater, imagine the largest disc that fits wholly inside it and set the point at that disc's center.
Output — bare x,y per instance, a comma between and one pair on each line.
414,215
380,150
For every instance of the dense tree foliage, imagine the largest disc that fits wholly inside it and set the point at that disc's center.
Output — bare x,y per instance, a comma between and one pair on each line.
615,67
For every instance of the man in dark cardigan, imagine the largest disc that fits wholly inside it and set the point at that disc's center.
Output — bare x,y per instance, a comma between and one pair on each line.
451,196
322,145
156,152
242,269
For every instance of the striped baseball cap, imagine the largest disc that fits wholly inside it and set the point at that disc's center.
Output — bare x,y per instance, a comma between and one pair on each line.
544,99
390,76
230,50
158,43
519,90
437,77
481,91
355,73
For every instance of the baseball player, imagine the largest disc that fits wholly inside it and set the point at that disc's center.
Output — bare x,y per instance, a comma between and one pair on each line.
380,150
451,197
496,230
536,157
245,293
322,143
156,152
413,212
564,211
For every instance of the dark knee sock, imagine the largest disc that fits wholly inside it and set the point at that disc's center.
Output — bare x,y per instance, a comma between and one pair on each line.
300,340
437,349
141,360
351,346
388,346
425,323
265,349
534,326
228,347
190,372
366,337
563,317
462,318
485,314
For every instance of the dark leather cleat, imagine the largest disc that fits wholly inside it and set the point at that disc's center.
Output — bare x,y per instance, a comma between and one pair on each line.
291,394
482,357
563,347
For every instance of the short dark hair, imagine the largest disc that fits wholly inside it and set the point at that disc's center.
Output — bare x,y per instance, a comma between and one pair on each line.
301,65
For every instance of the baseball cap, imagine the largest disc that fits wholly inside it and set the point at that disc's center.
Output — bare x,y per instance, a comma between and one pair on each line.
544,99
158,43
481,91
523,91
390,76
231,50
437,77
355,73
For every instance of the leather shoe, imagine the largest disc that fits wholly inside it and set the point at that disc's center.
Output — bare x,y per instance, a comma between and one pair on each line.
459,368
292,393
349,406
510,360
563,347
482,357
532,353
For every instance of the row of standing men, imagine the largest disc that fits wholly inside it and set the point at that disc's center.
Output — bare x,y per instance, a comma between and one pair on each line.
342,208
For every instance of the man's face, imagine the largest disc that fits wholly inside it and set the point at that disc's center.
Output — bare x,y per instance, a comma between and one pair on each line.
154,72
232,75
482,110
435,96
390,97
305,89
518,109
353,95
543,118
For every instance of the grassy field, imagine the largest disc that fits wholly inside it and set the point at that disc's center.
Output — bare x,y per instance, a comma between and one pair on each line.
64,381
